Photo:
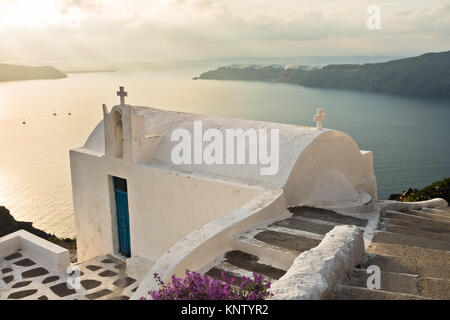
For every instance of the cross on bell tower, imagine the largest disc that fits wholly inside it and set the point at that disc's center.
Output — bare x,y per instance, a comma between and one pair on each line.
122,94
319,117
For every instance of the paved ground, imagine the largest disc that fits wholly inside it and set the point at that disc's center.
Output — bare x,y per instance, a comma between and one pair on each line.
104,278
412,249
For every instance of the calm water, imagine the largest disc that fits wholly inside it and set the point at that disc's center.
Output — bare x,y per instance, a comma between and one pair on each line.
409,136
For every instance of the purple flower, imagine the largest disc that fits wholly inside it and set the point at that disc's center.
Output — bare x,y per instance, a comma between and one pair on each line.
195,286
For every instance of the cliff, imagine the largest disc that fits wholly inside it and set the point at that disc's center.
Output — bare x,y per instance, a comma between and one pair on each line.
14,72
428,74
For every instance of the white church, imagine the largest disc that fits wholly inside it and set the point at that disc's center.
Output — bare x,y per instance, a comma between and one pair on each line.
131,200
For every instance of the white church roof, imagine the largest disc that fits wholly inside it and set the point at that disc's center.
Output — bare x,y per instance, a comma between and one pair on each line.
161,123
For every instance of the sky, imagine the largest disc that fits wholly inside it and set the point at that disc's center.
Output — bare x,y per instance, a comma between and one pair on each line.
32,30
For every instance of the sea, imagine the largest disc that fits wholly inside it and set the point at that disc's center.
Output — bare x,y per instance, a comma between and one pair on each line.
409,135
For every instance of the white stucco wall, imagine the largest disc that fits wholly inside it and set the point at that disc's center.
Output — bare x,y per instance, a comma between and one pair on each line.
164,206
204,245
331,170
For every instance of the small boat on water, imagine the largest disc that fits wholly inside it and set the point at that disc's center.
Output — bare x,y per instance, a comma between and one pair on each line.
24,121
54,113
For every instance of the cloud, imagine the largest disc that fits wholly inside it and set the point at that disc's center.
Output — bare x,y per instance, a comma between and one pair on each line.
190,29
88,6
433,21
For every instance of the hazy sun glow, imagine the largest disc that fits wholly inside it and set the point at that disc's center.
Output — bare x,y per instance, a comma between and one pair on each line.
197,29
25,14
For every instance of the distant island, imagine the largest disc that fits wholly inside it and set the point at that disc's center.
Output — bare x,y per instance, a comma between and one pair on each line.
428,74
10,72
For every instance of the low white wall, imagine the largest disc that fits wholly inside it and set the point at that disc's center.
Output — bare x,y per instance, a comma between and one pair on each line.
202,246
91,201
402,206
9,244
315,272
164,206
45,253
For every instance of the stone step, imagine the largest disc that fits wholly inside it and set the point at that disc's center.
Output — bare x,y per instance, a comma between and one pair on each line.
305,225
425,222
390,281
440,210
428,215
327,215
216,273
344,292
412,230
444,212
268,254
392,264
416,226
238,264
432,288
292,231
438,289
232,271
293,243
410,240
411,260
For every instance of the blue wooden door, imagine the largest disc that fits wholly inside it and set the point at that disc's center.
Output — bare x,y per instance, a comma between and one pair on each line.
123,220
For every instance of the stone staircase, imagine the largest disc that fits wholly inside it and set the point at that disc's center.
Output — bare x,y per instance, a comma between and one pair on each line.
270,250
412,249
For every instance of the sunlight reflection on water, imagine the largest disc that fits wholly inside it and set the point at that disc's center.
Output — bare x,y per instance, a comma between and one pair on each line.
410,137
